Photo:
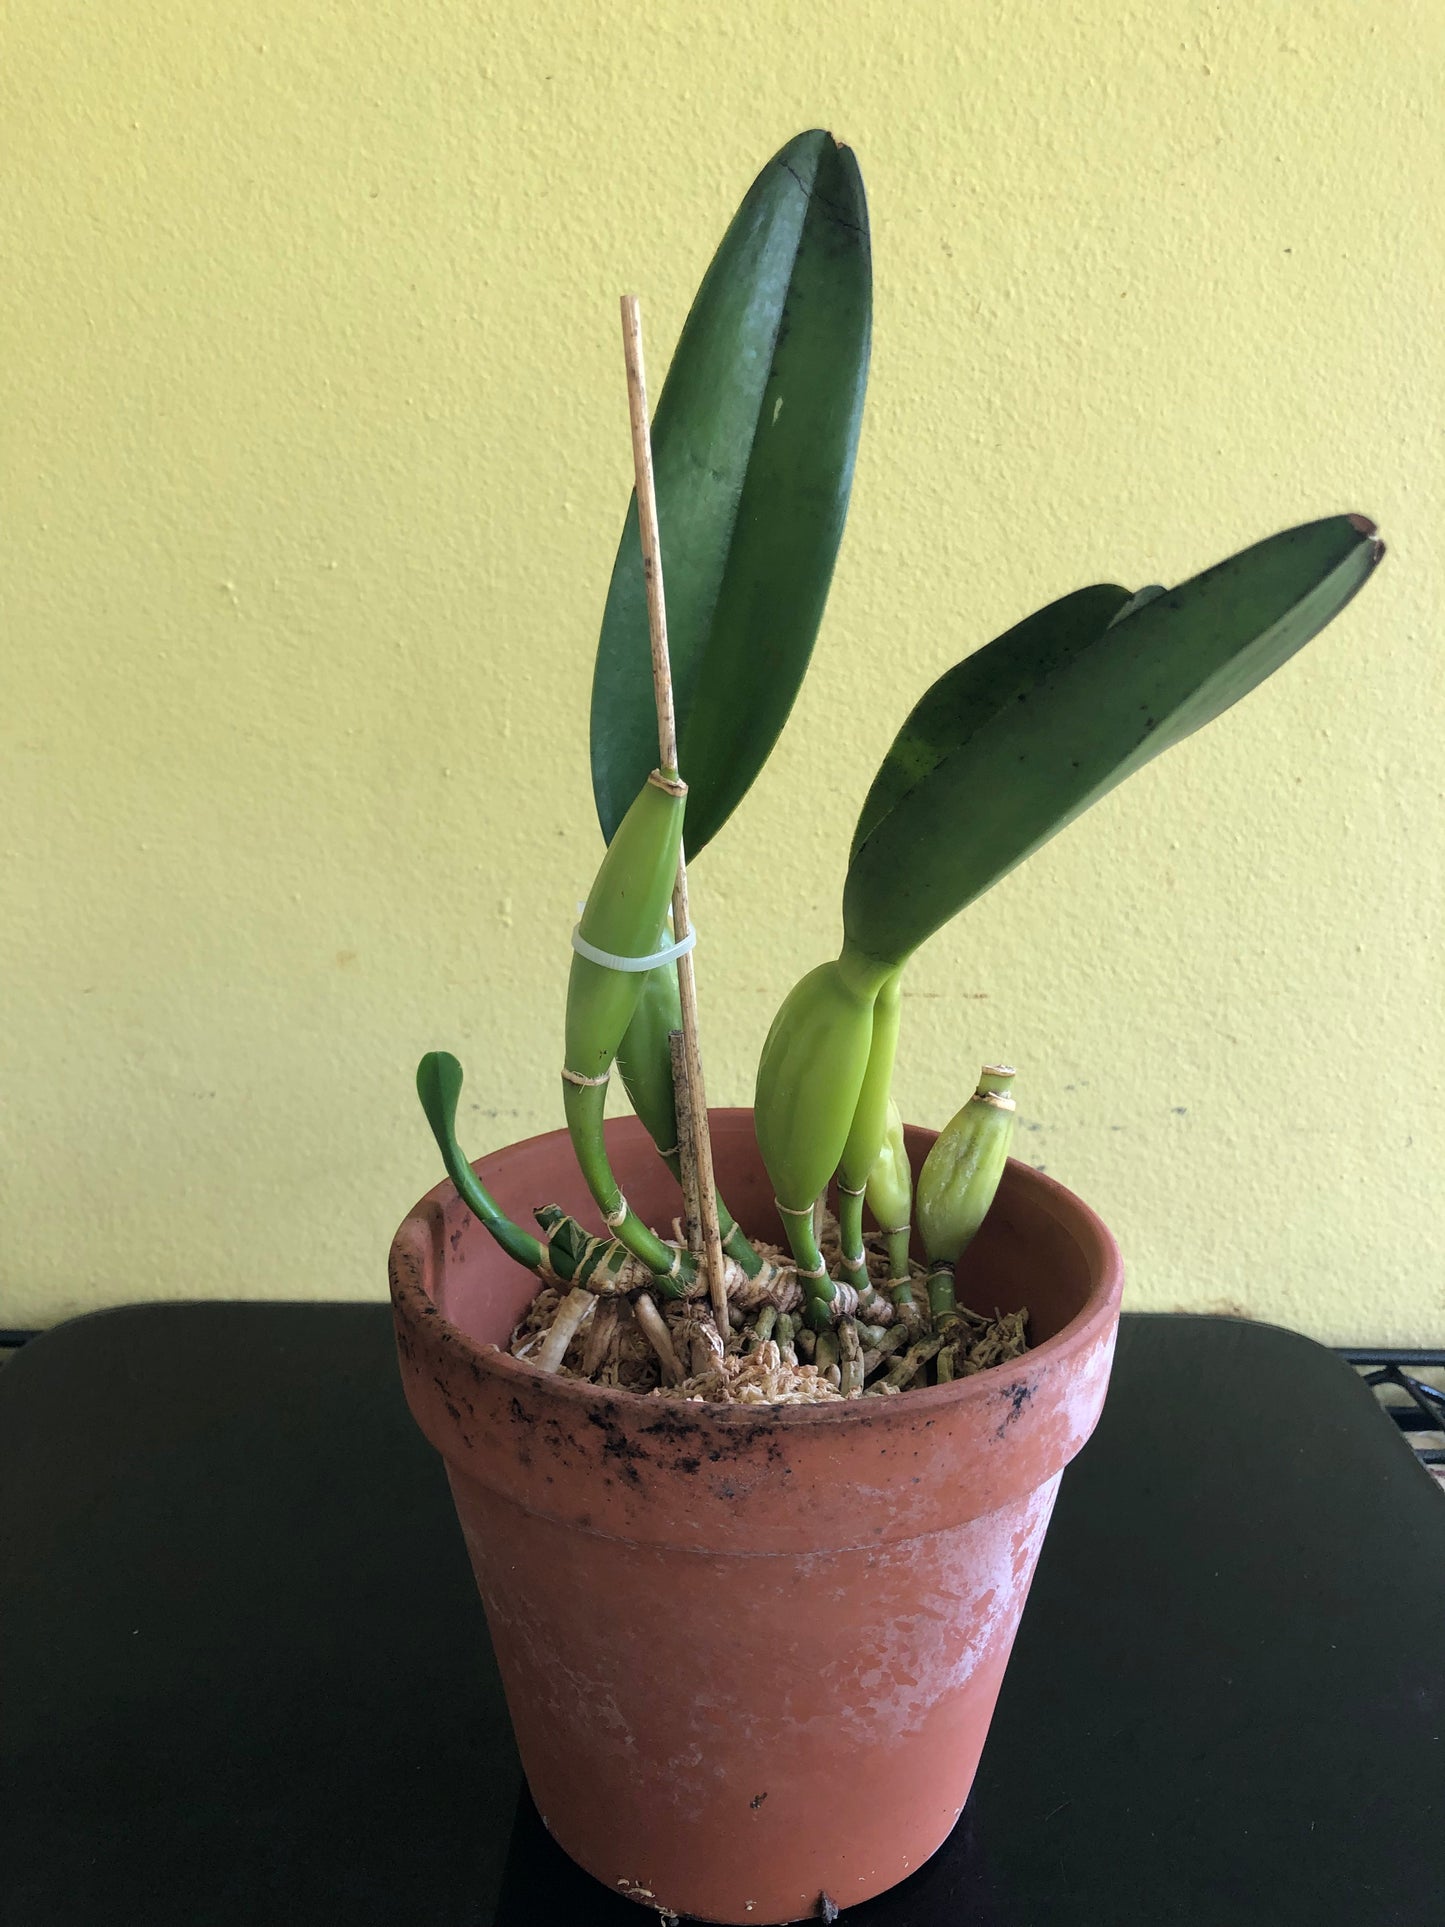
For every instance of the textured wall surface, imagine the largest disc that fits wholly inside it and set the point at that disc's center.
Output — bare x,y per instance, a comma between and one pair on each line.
314,461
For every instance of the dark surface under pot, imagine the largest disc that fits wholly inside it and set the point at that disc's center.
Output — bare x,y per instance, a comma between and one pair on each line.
243,1672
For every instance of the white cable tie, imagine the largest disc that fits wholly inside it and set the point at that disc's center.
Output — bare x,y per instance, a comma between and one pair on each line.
611,962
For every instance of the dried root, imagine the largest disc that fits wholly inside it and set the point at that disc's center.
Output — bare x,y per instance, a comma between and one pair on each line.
573,1312
626,1340
758,1377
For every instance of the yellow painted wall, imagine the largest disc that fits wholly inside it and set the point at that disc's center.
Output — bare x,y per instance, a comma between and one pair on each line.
314,461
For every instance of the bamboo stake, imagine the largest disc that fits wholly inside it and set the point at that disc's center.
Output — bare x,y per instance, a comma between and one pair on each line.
686,1144
712,1254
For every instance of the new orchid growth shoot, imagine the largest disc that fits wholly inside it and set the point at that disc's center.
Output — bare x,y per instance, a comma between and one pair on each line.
439,1087
565,1251
959,1178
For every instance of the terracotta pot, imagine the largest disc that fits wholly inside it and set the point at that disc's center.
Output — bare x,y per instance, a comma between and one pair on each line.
750,1653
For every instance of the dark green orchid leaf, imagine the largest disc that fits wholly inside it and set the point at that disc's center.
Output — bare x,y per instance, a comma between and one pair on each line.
980,686
439,1086
1046,720
753,443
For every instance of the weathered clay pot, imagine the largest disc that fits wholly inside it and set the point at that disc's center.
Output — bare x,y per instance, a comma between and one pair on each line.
751,1653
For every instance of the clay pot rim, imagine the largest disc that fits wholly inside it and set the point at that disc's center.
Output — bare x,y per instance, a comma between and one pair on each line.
412,1303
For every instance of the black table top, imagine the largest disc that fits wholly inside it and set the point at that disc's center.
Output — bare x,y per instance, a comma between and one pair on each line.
234,1600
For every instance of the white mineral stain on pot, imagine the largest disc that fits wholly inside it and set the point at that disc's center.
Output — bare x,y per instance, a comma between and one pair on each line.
1084,1397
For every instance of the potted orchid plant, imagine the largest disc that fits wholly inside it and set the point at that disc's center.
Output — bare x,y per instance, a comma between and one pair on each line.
753,1488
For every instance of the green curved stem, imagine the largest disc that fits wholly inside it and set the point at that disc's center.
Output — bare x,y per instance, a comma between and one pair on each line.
896,1245
516,1242
942,1299
439,1085
854,1264
737,1244
900,1278
819,1291
673,1270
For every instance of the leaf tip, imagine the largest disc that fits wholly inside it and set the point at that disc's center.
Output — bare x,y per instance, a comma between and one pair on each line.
1370,530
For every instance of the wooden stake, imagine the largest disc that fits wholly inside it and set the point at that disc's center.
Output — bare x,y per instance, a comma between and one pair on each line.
696,1099
647,528
686,1144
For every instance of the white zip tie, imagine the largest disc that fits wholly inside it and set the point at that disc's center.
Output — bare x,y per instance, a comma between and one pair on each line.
611,962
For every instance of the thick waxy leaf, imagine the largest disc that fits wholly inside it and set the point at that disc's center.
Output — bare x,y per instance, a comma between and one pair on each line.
753,444
439,1086
982,685
1042,722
